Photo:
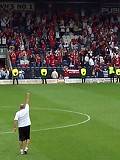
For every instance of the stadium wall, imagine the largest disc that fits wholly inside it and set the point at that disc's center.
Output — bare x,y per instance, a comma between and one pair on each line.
57,81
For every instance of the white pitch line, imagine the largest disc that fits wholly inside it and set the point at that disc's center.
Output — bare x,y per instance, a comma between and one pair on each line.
59,127
7,132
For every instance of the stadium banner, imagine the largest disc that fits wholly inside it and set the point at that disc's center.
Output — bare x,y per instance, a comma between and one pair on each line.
73,73
32,81
55,81
17,6
70,80
88,80
111,9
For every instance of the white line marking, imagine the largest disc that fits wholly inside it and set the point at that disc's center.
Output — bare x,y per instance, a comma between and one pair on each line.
59,127
9,132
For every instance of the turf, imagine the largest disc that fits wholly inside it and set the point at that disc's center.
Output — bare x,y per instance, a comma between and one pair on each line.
97,139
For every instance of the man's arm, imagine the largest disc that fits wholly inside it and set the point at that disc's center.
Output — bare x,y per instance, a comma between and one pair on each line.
27,98
15,125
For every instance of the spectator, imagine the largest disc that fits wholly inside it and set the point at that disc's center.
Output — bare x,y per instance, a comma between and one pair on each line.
61,39
54,74
21,74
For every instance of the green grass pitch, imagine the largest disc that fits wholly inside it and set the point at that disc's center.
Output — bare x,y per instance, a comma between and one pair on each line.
97,139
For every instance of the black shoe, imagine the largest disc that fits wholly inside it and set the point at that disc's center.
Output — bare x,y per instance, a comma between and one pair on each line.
25,152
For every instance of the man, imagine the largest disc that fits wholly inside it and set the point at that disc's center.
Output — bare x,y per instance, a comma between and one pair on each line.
44,75
118,75
22,120
83,74
15,74
111,72
21,74
54,74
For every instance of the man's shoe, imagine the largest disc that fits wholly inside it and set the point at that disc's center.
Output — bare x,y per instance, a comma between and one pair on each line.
25,152
21,152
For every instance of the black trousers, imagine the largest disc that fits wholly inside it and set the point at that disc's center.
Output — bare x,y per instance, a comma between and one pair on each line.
83,79
15,79
118,79
44,80
111,78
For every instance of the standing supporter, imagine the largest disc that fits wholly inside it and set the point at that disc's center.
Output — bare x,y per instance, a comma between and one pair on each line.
54,74
13,58
117,60
2,73
4,21
47,60
91,64
21,74
32,41
66,73
38,60
3,40
6,73
52,41
52,59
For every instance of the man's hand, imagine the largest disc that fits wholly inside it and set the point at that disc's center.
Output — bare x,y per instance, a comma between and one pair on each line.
15,126
27,98
14,129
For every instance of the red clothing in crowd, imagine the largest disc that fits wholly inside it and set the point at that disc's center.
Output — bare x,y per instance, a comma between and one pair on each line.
38,59
52,42
52,60
117,62
43,45
66,73
13,57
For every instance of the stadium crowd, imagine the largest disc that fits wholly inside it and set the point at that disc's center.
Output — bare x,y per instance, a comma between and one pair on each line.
62,39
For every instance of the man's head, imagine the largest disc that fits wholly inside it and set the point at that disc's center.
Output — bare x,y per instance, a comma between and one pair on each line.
22,106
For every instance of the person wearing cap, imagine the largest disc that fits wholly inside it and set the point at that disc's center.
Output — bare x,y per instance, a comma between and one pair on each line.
22,122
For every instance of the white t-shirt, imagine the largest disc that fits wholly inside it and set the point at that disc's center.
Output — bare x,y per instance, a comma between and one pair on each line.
91,62
23,117
86,58
54,75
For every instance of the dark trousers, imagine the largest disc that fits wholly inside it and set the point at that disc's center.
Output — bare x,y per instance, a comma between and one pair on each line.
44,81
15,78
83,79
111,78
118,79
